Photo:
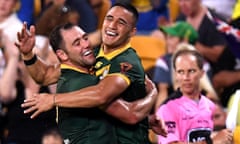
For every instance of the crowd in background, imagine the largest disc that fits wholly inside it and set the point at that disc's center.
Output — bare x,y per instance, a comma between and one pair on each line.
211,26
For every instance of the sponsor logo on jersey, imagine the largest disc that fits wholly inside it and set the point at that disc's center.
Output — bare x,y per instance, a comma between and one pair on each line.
125,66
171,126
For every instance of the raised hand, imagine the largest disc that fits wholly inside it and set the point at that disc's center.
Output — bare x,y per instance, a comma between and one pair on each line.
157,125
38,104
224,136
26,39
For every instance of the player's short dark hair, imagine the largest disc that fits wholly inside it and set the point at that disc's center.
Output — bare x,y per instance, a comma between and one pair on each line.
56,38
129,7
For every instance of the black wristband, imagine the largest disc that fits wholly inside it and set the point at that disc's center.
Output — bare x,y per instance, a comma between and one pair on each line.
31,61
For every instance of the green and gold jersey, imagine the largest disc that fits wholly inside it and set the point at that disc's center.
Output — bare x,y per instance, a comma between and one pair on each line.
125,63
82,125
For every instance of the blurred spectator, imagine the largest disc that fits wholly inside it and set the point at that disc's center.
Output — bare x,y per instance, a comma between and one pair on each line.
8,77
18,126
100,8
62,11
52,136
10,24
41,5
214,47
223,8
219,117
180,32
15,85
152,14
54,15
88,20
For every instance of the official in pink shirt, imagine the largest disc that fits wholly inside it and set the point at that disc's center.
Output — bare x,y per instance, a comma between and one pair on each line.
188,114
187,120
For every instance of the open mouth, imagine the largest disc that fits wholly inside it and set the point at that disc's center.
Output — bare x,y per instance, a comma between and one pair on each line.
113,34
88,52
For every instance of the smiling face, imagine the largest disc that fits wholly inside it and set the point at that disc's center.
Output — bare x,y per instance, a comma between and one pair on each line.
76,48
118,27
188,73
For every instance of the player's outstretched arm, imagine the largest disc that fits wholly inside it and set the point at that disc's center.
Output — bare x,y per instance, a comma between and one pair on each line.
99,95
41,72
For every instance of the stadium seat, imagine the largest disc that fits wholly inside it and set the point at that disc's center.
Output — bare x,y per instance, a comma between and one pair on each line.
149,49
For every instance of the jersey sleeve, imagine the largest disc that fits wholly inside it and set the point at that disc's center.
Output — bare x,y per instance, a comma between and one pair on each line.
129,67
168,115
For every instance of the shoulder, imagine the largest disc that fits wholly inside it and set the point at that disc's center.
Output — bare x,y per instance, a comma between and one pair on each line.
129,57
176,95
129,53
208,103
164,62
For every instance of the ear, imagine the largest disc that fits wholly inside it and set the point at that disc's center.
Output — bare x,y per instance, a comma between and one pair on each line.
62,55
133,31
202,73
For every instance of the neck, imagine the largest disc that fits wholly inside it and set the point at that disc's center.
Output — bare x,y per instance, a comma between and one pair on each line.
108,49
2,18
195,95
196,18
84,69
198,11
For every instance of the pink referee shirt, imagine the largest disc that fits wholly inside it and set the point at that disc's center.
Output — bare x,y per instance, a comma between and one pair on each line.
186,119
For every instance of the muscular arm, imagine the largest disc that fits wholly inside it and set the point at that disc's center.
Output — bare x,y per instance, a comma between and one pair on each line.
133,112
41,72
226,78
101,94
94,96
212,53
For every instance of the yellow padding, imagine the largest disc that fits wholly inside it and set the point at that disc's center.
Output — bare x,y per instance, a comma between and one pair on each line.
173,8
148,48
37,7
